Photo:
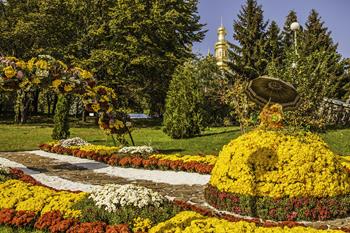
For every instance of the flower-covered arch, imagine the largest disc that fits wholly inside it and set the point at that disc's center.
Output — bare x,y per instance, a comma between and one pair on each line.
46,72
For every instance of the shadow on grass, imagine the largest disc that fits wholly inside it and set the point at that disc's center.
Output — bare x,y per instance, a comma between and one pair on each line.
217,133
170,151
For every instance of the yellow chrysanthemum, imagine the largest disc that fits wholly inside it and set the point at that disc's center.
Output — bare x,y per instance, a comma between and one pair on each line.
30,64
191,222
9,72
141,224
64,66
275,164
36,80
95,107
41,64
21,64
86,74
16,194
102,150
56,83
68,87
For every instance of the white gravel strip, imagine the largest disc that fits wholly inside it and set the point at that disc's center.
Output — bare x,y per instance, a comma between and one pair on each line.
169,177
51,181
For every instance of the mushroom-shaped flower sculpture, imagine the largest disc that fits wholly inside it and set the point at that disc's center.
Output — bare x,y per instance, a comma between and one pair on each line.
265,89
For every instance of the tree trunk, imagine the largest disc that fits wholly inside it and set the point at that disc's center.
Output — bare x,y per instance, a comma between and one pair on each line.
17,106
35,102
48,100
54,104
85,113
25,108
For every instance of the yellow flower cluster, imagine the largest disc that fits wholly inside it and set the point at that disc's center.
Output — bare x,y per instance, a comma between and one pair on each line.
9,72
102,150
83,73
276,164
15,194
141,224
345,161
208,159
191,222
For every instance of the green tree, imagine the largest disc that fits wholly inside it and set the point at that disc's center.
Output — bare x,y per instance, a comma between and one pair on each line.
316,36
184,115
146,41
248,56
61,127
316,70
213,83
311,76
287,33
274,49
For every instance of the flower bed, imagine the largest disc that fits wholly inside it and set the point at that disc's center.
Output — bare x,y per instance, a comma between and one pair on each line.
19,195
111,208
280,176
155,215
188,163
280,209
192,222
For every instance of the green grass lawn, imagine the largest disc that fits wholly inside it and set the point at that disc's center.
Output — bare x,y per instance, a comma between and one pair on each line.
28,137
4,229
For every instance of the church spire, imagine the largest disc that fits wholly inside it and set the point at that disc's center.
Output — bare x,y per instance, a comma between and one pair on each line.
221,47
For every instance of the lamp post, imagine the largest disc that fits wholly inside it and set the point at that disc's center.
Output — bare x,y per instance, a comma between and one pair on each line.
295,26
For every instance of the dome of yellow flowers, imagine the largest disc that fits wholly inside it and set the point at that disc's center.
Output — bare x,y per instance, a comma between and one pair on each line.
280,176
277,164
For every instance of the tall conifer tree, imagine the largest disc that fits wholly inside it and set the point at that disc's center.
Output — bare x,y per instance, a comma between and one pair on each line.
274,49
248,56
316,36
287,34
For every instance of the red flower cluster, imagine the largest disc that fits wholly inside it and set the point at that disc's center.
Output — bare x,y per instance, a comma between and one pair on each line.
133,161
280,209
55,223
16,218
20,175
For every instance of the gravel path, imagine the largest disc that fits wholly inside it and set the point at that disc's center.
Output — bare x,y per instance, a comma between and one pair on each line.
77,173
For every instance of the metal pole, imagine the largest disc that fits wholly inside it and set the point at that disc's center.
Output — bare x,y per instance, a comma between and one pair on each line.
295,42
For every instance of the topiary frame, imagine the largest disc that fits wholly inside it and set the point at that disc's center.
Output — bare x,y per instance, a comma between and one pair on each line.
45,72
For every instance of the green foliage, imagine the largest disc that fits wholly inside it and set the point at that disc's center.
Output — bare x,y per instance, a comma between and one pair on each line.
316,36
287,33
243,110
249,30
125,214
6,229
134,55
274,46
61,127
4,175
212,81
139,54
313,81
184,115
316,70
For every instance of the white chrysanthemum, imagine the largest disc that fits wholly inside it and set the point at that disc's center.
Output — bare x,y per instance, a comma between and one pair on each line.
112,196
137,150
73,142
4,169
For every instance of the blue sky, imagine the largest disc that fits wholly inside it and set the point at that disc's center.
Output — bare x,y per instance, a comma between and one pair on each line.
335,13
